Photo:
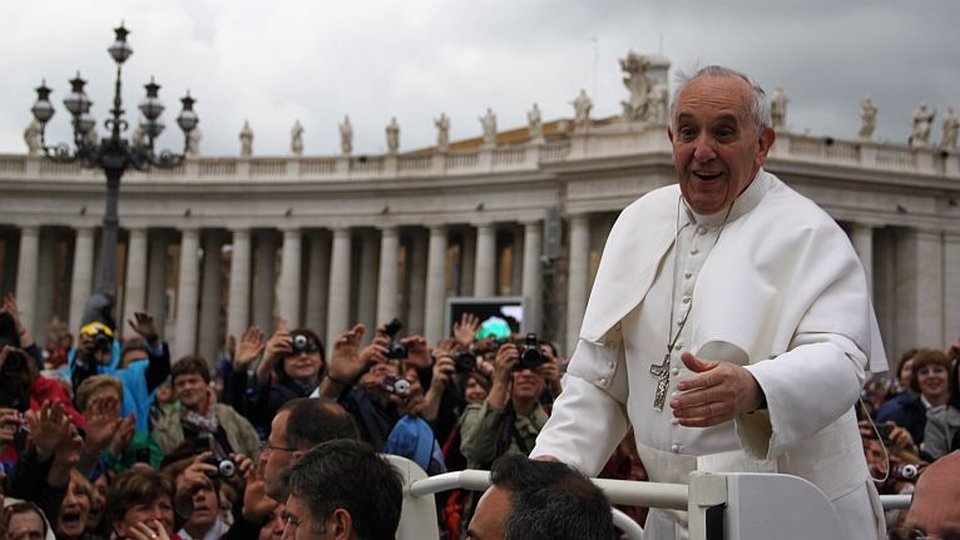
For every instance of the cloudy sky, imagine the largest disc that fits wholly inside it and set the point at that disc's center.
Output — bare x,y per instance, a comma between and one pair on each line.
273,62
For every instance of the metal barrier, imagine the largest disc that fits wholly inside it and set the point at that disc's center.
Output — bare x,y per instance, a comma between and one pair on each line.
741,502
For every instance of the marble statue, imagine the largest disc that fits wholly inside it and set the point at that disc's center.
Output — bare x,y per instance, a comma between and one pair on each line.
951,125
535,123
193,142
393,136
489,123
581,108
31,136
296,139
868,118
246,140
658,104
922,124
92,137
346,136
637,83
778,108
443,132
139,136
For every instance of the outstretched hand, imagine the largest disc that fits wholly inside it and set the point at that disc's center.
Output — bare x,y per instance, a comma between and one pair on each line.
716,394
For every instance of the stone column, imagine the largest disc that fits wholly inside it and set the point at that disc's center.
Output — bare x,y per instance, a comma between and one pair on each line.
532,240
485,274
367,291
579,257
134,295
27,274
418,282
389,274
920,294
318,284
436,284
290,263
82,283
43,311
238,310
862,238
951,266
264,282
210,337
468,264
188,288
338,308
157,281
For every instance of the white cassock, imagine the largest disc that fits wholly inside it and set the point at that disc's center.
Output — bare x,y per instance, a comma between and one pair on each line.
774,286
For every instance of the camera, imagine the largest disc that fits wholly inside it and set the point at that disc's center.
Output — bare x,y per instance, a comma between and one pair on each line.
396,385
102,342
465,362
907,472
14,363
226,468
530,355
301,343
395,350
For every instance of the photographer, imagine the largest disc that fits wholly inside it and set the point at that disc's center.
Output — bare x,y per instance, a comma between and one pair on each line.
97,353
200,417
510,418
292,367
198,498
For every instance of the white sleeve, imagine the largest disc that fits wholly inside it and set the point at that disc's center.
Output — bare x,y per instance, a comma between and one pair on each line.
807,388
588,419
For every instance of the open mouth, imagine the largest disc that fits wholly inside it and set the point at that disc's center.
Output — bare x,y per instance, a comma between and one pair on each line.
707,175
71,518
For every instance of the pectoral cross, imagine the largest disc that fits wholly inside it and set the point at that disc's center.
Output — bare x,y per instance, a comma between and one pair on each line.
662,372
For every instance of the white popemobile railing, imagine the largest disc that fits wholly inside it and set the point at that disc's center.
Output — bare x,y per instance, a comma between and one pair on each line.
732,506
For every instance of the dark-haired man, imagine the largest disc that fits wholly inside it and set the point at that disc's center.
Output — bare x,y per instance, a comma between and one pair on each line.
343,490
540,500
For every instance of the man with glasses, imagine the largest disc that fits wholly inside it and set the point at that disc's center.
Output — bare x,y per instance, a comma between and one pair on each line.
299,425
342,489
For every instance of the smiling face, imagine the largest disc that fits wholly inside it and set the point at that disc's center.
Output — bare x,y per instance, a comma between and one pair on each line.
932,379
191,390
161,510
717,146
74,512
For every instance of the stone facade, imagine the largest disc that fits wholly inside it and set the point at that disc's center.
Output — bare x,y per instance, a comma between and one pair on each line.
324,241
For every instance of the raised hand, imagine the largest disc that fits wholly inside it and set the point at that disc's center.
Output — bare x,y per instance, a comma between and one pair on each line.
466,330
716,394
143,324
418,354
121,439
347,362
49,428
279,345
249,348
103,420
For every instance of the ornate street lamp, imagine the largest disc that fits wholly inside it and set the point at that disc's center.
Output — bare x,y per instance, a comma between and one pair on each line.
114,154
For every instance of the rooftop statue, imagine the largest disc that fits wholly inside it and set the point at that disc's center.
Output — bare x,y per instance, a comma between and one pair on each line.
296,139
246,140
581,109
443,132
489,123
637,83
951,125
346,136
393,136
31,136
535,123
778,108
922,124
868,118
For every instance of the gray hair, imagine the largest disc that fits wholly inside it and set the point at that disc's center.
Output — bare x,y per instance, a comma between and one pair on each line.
760,109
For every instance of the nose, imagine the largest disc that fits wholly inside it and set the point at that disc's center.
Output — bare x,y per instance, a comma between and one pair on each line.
703,151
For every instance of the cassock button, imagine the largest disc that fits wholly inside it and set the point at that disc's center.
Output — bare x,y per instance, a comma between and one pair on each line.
685,299
676,371
675,421
678,345
675,448
687,275
602,381
694,251
701,230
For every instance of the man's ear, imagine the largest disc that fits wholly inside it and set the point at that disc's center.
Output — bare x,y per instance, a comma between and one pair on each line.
342,523
767,138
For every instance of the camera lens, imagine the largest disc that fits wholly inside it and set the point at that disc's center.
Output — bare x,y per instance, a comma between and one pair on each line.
396,351
465,362
226,468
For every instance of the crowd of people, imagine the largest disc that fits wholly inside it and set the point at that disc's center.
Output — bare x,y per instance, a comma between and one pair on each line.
110,438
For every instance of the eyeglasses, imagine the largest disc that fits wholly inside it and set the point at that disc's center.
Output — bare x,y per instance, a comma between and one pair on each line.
913,533
266,446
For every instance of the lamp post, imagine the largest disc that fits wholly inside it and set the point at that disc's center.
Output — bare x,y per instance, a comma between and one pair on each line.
114,154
